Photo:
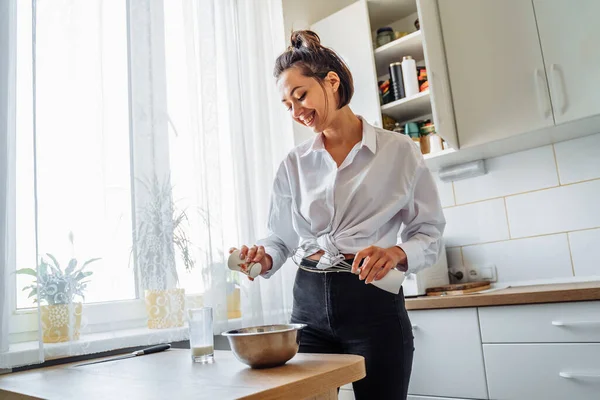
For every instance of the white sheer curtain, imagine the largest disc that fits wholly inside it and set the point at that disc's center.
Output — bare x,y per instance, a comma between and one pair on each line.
262,137
224,112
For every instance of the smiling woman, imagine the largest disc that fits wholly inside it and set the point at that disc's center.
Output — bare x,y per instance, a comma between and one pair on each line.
353,193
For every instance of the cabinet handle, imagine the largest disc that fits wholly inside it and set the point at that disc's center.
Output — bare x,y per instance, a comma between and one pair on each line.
563,98
415,326
536,81
575,323
574,375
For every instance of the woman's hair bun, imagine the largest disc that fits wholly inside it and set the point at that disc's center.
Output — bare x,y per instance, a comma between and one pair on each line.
315,61
305,38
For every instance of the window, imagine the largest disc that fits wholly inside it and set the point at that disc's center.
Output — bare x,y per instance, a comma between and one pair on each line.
82,144
82,152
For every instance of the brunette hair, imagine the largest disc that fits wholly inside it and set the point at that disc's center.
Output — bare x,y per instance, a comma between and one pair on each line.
315,61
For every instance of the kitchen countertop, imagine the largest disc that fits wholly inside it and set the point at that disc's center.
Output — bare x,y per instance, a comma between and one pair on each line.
535,294
171,374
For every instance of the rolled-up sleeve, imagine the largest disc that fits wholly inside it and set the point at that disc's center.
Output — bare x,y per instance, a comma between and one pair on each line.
282,239
423,222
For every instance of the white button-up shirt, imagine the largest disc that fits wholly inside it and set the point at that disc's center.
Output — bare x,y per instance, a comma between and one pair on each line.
381,195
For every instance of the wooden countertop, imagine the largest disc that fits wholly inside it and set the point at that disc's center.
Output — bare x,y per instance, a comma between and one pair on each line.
172,375
535,294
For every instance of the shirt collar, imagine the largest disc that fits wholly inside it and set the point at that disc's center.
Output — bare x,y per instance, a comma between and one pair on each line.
369,139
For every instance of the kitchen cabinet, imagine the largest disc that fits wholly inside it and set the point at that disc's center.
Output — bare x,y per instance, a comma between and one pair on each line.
542,351
496,69
577,322
448,358
571,56
543,371
503,76
516,78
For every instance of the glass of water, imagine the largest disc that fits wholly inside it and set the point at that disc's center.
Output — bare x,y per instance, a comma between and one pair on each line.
201,334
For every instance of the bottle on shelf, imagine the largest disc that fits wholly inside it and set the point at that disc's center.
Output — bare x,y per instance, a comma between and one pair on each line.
396,80
409,76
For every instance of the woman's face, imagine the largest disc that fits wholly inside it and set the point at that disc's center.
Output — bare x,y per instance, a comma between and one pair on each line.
305,98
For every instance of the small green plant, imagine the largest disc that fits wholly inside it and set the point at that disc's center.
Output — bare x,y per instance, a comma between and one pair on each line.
54,285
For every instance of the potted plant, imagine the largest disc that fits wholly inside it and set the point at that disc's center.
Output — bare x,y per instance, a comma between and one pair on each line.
56,290
160,237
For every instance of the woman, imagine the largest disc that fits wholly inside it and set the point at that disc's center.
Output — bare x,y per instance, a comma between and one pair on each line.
346,195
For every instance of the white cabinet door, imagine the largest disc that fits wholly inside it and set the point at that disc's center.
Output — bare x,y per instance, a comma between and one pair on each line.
543,371
496,68
348,33
571,55
541,323
437,71
448,358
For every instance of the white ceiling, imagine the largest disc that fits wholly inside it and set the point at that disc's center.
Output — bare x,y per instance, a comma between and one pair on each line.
300,14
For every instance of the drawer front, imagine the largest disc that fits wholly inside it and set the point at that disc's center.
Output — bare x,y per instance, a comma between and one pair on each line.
448,358
543,371
541,323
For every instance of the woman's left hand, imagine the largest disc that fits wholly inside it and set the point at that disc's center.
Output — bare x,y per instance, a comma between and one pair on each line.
377,262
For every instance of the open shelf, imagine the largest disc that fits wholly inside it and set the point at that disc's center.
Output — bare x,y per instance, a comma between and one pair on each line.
409,45
438,154
409,107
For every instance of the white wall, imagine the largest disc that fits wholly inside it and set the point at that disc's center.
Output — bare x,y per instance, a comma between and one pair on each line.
535,215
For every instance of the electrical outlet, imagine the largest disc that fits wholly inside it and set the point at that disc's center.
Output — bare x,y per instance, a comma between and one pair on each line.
473,275
482,273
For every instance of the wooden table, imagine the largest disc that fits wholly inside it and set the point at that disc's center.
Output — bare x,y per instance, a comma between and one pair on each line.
172,375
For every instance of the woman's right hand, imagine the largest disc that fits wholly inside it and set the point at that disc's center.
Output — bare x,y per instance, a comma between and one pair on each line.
255,254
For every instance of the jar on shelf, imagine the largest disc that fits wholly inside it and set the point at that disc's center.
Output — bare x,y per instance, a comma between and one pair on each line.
385,35
398,128
426,130
412,130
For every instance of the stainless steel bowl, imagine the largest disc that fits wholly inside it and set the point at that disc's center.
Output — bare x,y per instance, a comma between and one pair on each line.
265,346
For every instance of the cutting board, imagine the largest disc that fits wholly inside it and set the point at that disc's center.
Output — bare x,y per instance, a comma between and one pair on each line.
458,289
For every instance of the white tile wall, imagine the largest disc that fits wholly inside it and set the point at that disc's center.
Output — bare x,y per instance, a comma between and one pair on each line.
523,259
454,257
561,209
578,159
584,249
445,190
514,173
543,212
476,223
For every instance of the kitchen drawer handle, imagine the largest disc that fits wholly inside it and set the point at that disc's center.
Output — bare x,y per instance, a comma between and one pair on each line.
574,323
574,375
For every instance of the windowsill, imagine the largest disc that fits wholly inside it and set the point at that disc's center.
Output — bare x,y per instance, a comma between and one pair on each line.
101,342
